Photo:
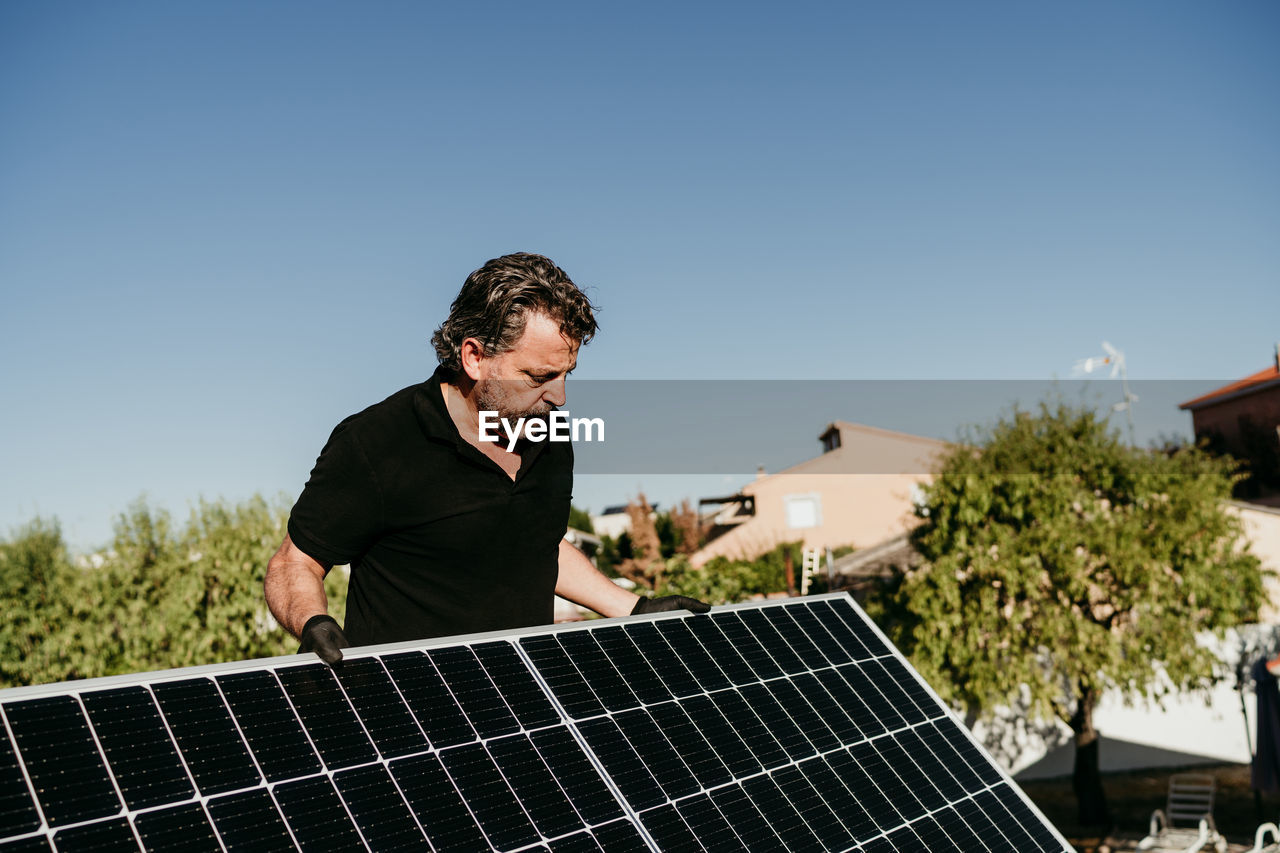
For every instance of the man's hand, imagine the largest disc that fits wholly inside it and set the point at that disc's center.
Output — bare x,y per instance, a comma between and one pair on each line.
669,602
322,635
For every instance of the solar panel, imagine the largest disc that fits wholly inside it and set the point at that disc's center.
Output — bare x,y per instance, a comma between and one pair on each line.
786,725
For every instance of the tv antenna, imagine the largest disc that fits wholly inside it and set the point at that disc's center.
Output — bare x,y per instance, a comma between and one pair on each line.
1115,359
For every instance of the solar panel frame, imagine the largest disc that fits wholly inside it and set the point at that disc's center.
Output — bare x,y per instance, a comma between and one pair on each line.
806,656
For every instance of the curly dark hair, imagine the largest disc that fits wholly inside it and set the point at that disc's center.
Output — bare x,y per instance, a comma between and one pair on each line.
496,300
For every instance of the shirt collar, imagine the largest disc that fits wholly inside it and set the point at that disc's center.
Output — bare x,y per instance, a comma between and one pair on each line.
437,423
433,414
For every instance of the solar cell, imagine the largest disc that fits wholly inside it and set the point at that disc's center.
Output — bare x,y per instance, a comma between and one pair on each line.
429,699
581,843
483,706
722,651
380,813
278,742
648,743
738,809
447,820
62,760
534,785
706,673
642,678
665,662
778,726
501,817
317,816
620,836
184,827
727,745
207,737
381,708
509,674
329,721
250,820
577,775
791,826
142,757
17,809
562,676
104,835
745,644
31,844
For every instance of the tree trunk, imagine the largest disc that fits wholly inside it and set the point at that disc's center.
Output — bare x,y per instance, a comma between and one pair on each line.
1086,780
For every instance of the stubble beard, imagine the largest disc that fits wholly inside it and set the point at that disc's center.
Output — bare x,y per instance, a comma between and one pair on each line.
492,396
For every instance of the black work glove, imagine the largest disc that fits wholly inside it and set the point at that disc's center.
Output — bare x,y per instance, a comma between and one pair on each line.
323,636
669,602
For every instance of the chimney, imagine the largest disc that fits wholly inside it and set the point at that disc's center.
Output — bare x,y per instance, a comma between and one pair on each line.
1277,355
760,472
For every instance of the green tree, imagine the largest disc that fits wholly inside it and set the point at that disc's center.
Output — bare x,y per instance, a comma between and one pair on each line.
580,519
1060,564
725,581
194,596
678,530
608,557
667,534
37,584
156,598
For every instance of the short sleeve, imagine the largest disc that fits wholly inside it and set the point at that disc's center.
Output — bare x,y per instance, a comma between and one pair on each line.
339,513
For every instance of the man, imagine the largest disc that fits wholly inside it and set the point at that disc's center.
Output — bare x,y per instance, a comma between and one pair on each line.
446,533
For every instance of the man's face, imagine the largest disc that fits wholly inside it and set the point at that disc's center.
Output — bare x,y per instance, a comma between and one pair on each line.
527,381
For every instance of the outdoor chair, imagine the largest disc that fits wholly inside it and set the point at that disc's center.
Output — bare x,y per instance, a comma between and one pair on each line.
1260,837
1186,822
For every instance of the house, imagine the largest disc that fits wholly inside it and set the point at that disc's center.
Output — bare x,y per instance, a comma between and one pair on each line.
1243,419
859,491
615,521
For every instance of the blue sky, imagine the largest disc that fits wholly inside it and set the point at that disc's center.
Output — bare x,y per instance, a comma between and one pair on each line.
225,226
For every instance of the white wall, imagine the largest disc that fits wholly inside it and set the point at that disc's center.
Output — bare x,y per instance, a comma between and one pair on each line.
1197,728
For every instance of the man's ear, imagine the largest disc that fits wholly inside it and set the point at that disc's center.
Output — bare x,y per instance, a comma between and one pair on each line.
471,355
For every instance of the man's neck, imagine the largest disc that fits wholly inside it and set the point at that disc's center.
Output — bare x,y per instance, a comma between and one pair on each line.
462,408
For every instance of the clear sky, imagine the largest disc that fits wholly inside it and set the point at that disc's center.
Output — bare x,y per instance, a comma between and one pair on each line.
226,225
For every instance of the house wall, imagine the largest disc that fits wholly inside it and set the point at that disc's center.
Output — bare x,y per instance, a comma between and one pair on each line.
613,525
864,491
1211,727
855,509
1262,407
1262,527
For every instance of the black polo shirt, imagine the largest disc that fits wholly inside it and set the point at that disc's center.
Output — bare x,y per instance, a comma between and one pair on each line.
440,540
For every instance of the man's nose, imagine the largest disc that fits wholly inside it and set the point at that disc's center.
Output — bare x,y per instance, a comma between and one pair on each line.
554,393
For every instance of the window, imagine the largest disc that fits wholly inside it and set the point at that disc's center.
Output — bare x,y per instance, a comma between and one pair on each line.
803,511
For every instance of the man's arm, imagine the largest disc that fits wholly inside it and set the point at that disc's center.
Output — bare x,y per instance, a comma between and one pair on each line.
294,590
582,583
295,587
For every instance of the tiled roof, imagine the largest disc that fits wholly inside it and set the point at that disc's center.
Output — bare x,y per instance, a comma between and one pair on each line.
1241,386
